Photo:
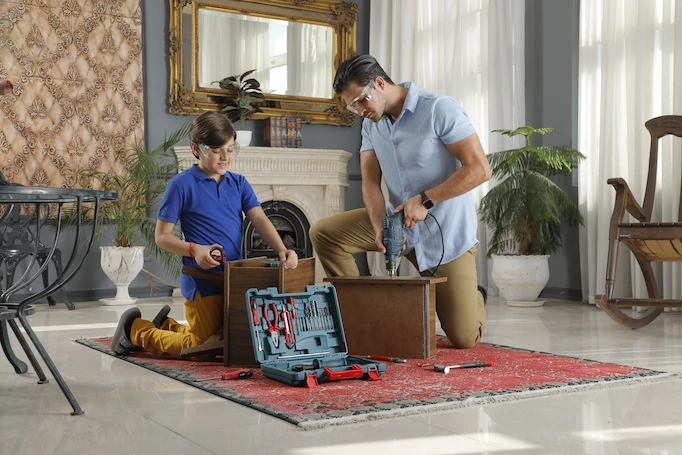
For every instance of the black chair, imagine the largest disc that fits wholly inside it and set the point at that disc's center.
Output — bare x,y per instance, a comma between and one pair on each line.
17,242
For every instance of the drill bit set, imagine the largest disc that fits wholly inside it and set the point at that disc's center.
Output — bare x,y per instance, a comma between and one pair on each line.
298,338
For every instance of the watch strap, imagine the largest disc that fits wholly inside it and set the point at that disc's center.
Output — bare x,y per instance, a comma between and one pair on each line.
428,203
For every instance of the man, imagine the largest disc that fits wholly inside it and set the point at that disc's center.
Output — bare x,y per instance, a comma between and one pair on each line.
430,158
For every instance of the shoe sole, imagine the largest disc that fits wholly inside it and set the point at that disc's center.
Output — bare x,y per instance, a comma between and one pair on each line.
120,344
161,316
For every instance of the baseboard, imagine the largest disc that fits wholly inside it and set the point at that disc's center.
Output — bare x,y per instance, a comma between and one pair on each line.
562,293
90,295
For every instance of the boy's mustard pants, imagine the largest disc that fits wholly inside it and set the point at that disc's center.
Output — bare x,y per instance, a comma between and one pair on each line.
204,316
459,304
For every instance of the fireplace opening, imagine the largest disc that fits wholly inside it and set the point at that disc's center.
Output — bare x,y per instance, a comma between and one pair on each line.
291,224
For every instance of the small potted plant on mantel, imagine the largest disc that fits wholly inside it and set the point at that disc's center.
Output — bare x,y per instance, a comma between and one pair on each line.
524,212
245,93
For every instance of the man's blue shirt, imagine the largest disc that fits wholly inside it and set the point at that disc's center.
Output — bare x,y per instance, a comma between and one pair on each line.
413,157
209,212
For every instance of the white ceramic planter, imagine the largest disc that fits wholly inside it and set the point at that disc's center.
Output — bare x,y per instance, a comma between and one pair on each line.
121,265
244,137
521,279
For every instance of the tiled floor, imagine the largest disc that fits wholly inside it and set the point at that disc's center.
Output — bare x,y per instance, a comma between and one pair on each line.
130,410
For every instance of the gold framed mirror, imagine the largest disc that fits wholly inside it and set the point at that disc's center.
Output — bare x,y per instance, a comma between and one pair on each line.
294,45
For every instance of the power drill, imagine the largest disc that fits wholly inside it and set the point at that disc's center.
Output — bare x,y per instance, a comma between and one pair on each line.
393,239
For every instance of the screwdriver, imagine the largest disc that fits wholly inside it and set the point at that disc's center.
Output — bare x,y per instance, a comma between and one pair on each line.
387,358
239,374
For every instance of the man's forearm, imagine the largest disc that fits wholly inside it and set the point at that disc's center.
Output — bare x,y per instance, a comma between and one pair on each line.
374,203
461,181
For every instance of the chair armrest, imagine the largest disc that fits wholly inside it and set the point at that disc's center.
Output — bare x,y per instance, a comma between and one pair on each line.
625,197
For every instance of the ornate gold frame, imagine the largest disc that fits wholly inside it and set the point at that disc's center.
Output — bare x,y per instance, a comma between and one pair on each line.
338,14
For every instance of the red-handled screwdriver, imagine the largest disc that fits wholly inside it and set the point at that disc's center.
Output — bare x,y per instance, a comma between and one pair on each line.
239,374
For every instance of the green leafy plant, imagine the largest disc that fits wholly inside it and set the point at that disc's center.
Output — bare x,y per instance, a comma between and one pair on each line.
140,187
244,93
527,207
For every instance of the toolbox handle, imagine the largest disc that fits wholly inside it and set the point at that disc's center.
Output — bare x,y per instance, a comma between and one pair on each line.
354,372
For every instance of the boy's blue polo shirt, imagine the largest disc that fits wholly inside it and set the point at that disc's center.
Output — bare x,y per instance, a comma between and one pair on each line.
413,157
209,212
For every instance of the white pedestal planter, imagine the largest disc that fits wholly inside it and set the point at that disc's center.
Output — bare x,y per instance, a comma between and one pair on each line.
121,265
521,279
244,137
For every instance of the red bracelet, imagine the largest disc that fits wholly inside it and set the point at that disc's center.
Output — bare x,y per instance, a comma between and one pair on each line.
189,250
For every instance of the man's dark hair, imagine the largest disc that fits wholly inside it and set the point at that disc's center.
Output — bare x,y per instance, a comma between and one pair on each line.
361,69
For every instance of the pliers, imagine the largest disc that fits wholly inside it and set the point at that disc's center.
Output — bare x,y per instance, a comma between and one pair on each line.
273,328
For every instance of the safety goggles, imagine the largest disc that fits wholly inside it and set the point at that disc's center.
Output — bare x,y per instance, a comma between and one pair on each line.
362,100
226,152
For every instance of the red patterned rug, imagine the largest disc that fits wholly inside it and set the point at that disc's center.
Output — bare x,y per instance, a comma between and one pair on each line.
405,389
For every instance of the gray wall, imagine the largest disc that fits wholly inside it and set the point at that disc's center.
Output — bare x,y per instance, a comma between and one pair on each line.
551,91
551,101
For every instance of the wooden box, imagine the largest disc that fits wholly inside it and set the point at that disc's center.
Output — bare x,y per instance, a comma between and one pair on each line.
388,316
258,273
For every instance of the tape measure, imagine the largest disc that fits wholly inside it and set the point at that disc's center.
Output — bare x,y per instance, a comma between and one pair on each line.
217,254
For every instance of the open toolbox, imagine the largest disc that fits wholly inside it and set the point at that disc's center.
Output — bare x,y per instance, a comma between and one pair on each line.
298,338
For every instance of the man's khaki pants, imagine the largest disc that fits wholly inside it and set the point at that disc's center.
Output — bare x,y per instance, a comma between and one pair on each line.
459,304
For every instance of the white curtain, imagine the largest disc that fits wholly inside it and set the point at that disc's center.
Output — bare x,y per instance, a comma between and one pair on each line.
230,45
630,68
472,50
309,60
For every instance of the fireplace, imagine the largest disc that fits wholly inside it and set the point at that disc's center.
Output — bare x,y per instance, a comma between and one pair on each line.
296,187
292,226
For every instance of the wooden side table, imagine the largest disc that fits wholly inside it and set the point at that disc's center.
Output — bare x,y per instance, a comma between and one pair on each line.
240,276
389,316
233,339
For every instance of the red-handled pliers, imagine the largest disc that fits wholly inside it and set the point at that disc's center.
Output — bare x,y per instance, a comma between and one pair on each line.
273,328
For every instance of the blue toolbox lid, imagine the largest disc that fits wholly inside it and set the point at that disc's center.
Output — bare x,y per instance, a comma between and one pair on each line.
297,326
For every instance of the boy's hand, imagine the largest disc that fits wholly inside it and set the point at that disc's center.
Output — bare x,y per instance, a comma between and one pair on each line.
289,258
202,254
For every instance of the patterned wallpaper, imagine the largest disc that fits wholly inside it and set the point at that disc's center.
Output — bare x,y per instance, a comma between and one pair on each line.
77,102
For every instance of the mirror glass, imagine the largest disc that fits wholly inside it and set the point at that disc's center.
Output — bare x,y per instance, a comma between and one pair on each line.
290,58
295,47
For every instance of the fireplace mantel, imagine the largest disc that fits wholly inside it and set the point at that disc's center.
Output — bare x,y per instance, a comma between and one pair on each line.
312,179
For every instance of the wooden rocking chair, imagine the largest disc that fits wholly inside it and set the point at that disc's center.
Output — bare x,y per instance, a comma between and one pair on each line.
648,241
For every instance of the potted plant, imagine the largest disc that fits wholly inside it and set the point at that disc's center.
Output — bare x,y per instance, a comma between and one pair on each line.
525,212
245,93
139,187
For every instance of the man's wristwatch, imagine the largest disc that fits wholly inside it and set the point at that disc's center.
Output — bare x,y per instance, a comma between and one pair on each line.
428,203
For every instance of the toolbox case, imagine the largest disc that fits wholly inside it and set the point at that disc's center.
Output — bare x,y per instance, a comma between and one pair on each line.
317,352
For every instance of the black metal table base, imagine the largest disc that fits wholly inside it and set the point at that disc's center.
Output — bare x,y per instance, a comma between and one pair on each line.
41,199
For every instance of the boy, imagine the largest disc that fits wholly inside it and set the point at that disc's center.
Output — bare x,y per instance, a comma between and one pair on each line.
208,200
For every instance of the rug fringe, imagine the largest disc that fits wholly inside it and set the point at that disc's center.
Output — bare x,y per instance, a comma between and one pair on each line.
477,401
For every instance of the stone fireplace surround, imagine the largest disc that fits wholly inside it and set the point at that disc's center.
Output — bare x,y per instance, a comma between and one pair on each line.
313,180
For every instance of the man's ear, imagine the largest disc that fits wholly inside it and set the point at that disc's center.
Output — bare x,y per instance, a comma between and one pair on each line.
379,82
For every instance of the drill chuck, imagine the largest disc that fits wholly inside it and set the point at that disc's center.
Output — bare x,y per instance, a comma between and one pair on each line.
393,239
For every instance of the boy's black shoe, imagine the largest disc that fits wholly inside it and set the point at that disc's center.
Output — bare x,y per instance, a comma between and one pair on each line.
120,342
484,293
161,316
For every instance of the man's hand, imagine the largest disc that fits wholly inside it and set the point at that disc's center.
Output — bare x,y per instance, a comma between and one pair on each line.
289,258
413,211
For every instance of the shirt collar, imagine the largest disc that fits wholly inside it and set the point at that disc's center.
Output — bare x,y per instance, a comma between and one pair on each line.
410,103
199,175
